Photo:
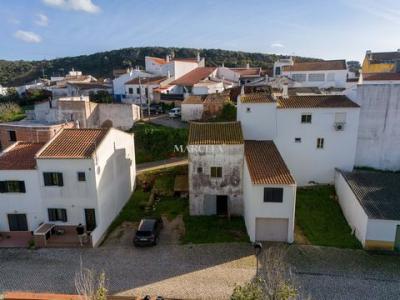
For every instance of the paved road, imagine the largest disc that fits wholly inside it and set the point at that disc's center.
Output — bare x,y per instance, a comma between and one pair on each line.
201,271
161,164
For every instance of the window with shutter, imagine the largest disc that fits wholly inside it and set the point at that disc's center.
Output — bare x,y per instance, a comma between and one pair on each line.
53,179
2,187
57,214
12,186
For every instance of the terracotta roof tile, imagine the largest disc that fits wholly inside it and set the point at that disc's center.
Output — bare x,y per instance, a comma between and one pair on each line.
194,76
257,98
217,98
247,71
380,76
160,61
316,101
73,143
20,157
317,66
147,80
265,164
218,133
192,100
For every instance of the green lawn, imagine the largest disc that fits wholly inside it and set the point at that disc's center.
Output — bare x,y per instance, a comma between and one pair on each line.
321,220
156,142
213,229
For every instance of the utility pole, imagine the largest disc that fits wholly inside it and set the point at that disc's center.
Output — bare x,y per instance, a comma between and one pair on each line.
140,98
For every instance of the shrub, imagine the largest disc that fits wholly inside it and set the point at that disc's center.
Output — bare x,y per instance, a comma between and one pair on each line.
10,112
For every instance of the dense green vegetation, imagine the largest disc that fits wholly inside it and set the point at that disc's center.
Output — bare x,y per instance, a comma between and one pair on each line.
101,64
156,142
228,113
321,219
11,112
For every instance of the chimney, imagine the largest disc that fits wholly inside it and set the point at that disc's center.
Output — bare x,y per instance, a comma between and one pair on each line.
167,58
77,124
168,74
242,90
247,66
198,56
285,91
223,64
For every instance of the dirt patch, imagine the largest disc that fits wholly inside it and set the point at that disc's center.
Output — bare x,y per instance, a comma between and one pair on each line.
122,235
173,230
299,236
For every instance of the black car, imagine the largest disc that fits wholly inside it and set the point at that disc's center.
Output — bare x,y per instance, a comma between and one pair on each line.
148,232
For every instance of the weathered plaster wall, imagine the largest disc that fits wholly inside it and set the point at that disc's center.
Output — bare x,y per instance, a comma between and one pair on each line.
201,185
378,143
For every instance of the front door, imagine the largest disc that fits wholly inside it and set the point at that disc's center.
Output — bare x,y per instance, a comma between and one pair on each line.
17,222
397,240
222,205
90,218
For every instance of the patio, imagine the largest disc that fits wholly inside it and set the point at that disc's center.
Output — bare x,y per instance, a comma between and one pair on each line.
16,239
54,236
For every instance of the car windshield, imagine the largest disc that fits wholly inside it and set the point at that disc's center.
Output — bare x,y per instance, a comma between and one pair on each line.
143,233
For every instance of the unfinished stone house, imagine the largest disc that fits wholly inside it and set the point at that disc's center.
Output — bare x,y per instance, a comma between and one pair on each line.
216,168
87,114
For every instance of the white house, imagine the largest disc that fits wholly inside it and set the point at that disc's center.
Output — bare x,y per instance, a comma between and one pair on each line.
314,134
21,204
269,193
369,201
322,74
231,176
119,82
280,63
80,176
143,88
192,108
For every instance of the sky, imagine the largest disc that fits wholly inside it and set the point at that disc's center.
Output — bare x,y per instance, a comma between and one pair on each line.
341,29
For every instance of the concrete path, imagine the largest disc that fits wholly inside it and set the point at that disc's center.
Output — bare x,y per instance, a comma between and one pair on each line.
161,164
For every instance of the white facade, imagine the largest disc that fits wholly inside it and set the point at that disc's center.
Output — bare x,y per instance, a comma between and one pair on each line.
255,208
191,112
372,233
277,70
297,141
119,82
310,164
207,87
171,67
378,141
320,79
28,203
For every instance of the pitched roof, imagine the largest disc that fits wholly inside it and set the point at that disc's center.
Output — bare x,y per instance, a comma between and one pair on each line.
73,143
377,192
244,72
217,98
383,57
316,101
257,98
317,66
218,133
20,156
147,80
90,85
265,164
160,61
194,76
192,100
380,76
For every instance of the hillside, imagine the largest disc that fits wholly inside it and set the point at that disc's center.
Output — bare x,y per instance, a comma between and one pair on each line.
101,64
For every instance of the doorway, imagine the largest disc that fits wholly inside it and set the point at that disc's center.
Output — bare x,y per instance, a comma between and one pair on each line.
90,218
222,205
397,239
17,222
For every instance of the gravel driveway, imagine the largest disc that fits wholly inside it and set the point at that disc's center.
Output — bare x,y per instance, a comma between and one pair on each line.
201,271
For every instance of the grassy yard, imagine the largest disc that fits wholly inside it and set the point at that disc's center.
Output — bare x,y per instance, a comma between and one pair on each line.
198,229
321,219
157,142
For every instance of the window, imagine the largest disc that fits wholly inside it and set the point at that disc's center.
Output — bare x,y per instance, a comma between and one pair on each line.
316,77
53,179
57,214
138,91
199,170
297,140
278,71
130,91
248,109
320,143
273,195
81,176
299,77
12,186
306,118
216,172
12,136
